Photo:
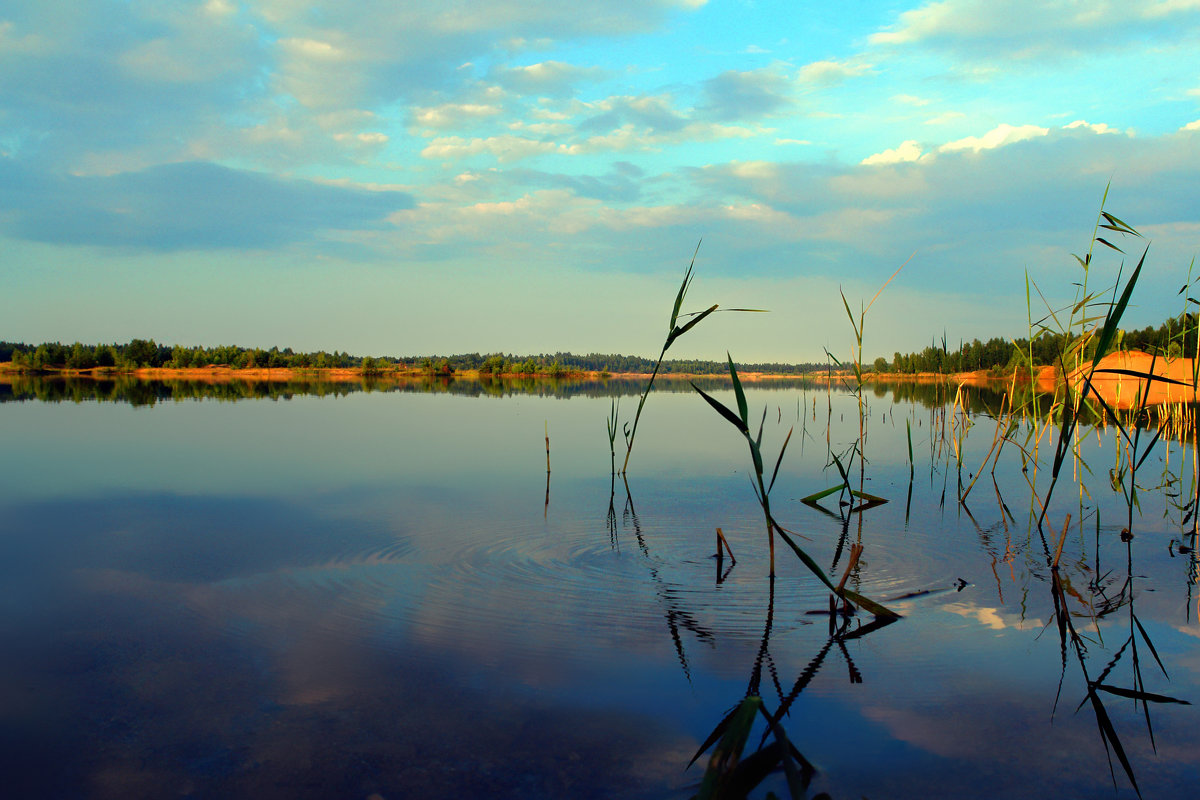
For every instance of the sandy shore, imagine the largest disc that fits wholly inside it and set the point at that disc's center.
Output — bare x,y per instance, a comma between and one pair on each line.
1117,388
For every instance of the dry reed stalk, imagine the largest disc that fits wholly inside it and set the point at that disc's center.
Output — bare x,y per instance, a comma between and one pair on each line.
996,438
1062,539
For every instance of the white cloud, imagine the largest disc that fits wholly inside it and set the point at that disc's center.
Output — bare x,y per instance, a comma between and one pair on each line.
911,100
907,151
1001,135
1099,127
1192,126
981,29
828,73
504,148
15,44
541,128
372,138
450,115
548,77
1168,7
754,170
943,118
628,137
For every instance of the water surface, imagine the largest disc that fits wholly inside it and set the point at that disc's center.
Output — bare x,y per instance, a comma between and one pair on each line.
377,593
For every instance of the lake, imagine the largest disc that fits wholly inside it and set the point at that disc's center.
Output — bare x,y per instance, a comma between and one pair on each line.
272,593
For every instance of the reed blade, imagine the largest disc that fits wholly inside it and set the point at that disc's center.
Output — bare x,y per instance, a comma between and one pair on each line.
739,394
722,410
1113,318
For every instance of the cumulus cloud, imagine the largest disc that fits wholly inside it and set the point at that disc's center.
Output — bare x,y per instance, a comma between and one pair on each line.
1001,135
183,206
503,148
944,117
450,115
744,95
655,114
399,50
1099,127
829,73
94,78
1036,194
980,30
907,151
547,78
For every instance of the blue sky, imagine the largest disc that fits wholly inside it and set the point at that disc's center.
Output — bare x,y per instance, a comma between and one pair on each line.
391,177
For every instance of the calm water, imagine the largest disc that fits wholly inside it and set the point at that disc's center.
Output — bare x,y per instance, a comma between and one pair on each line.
376,594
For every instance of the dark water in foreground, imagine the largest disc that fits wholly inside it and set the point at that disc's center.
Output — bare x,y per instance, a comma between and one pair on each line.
368,594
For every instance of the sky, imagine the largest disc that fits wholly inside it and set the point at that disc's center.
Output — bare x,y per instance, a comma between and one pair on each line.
389,177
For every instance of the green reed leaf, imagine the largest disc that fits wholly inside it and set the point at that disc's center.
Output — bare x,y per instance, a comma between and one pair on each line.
739,394
728,750
1115,312
778,461
722,410
677,331
683,287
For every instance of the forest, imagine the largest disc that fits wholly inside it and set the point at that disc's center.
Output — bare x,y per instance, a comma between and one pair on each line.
1175,336
143,353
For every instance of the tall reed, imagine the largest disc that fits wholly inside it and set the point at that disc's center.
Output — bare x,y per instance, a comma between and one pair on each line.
674,331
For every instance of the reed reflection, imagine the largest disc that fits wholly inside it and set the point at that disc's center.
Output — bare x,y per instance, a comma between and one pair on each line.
732,774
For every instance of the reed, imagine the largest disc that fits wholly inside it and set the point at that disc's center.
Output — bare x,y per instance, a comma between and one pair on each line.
762,488
612,433
674,331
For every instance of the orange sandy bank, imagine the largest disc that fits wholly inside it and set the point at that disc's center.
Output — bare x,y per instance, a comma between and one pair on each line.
1172,380
1122,390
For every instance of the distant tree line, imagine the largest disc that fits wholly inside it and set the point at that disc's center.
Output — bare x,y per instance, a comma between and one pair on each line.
1173,337
138,353
1176,336
142,353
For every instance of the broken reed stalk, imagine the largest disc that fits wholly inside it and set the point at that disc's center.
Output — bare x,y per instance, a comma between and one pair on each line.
722,542
856,551
547,447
